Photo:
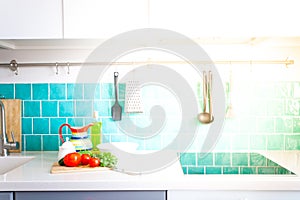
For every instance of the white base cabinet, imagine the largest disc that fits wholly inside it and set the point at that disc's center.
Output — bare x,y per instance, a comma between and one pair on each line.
232,195
153,195
84,195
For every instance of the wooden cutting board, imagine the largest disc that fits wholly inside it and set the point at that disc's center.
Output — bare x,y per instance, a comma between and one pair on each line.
13,120
57,169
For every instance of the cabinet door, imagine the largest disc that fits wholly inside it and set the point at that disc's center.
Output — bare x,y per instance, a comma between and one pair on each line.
6,195
30,19
103,18
233,195
203,18
103,195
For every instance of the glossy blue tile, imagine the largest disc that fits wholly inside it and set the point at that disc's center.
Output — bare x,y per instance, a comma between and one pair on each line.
195,170
271,163
76,121
139,141
213,170
106,139
103,108
154,143
248,170
23,143
74,91
188,159
204,159
32,108
266,170
107,91
122,88
257,160
91,91
23,91
50,142
33,142
122,104
27,125
40,91
222,159
49,108
240,159
275,142
89,120
118,138
84,108
109,126
230,170
55,123
281,170
7,90
66,108
40,125
57,91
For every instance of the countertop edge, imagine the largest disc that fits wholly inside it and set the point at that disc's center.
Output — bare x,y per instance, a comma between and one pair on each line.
35,176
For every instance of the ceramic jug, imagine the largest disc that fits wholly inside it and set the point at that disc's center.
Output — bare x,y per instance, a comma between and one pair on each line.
79,137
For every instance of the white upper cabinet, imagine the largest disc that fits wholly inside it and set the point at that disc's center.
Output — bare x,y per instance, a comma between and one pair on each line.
196,18
31,19
103,18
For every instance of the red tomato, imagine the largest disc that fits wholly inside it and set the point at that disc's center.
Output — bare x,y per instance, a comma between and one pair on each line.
85,159
72,159
94,162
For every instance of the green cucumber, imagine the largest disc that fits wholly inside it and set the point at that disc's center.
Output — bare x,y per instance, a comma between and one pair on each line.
61,162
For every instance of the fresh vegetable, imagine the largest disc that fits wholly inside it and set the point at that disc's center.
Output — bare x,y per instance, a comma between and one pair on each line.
107,159
86,152
72,159
85,159
94,162
61,162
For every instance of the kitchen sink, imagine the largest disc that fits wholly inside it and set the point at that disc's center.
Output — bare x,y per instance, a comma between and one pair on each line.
9,163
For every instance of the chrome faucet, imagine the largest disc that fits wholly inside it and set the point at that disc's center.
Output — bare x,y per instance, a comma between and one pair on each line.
4,144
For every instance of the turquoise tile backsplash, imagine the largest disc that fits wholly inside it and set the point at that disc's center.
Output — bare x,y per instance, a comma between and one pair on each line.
57,91
49,109
40,91
7,90
268,118
229,163
23,91
31,108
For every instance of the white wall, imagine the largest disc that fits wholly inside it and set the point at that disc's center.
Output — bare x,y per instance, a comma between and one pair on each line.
216,52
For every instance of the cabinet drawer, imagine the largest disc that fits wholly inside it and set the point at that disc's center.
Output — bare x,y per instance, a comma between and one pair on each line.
232,195
6,195
84,195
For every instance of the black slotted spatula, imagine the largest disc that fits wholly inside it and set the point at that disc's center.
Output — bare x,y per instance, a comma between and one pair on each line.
116,109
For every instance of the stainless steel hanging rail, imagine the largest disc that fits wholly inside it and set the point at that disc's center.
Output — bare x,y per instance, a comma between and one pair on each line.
13,65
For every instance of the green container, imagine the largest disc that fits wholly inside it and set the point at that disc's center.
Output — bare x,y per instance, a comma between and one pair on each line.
96,134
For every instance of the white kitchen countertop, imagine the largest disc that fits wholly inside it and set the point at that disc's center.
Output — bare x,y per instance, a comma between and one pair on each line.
35,176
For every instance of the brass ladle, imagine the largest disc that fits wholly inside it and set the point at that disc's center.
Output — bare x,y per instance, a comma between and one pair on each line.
206,117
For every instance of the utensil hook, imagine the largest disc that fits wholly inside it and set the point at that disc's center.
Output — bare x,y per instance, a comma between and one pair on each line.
56,67
68,68
13,66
